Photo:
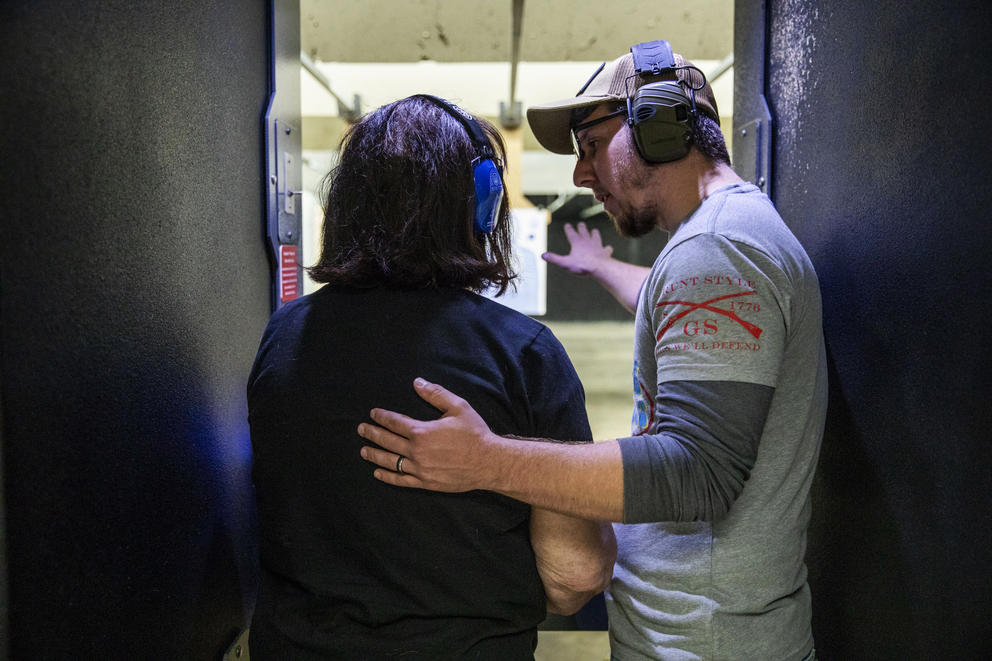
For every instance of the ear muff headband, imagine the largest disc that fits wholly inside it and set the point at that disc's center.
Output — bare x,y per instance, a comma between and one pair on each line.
660,114
486,173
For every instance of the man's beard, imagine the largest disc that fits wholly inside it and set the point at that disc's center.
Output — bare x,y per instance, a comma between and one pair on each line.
633,223
629,221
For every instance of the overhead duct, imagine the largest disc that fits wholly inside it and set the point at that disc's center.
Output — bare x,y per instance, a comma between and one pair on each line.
511,112
349,113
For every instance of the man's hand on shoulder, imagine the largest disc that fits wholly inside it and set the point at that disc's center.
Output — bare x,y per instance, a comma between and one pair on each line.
449,454
458,452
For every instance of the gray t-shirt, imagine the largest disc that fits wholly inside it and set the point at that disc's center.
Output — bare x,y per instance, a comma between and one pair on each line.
733,297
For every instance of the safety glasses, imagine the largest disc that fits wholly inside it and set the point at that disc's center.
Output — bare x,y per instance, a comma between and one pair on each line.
574,133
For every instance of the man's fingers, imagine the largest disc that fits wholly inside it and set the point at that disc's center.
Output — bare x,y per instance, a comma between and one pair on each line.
577,233
386,459
441,399
384,437
554,258
397,480
387,463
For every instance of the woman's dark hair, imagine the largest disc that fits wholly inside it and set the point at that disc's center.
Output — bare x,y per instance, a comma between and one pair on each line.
400,204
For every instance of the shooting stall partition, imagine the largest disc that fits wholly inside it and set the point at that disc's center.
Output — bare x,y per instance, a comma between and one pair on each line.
135,281
876,139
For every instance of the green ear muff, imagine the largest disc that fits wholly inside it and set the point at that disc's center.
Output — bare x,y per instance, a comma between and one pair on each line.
660,116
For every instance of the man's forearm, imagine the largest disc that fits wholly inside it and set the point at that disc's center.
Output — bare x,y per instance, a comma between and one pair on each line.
574,558
583,480
623,280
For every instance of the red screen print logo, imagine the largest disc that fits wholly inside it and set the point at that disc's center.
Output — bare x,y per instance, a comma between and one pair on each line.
708,305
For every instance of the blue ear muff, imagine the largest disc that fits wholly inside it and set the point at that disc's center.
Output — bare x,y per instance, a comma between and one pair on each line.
488,195
487,175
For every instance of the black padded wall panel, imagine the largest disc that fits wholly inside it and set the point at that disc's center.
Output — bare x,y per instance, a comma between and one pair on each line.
133,289
573,299
881,167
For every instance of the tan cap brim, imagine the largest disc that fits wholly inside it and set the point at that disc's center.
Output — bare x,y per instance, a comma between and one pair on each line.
550,122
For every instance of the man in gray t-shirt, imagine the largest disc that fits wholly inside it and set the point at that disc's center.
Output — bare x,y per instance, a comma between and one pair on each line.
711,490
730,308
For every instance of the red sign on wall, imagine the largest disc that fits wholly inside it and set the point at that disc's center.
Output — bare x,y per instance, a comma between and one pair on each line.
289,278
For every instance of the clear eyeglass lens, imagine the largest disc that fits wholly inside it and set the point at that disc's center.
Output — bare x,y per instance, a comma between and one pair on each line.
574,131
576,146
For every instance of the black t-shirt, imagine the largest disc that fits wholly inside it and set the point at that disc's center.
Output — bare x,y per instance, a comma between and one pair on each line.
353,568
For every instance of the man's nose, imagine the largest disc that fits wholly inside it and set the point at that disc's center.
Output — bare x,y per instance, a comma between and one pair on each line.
582,175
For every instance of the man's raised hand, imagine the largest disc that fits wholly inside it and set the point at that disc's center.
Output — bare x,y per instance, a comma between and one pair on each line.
587,252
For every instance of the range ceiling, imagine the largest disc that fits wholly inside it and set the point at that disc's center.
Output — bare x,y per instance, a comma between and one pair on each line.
481,30
370,52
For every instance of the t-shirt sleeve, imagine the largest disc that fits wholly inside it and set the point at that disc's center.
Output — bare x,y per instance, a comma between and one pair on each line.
717,309
712,331
557,403
694,464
